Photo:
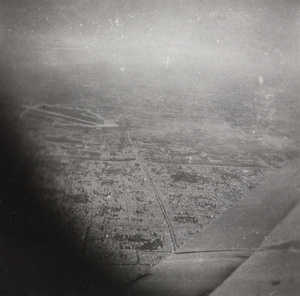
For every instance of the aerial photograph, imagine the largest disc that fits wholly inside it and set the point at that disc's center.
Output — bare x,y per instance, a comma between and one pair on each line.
149,147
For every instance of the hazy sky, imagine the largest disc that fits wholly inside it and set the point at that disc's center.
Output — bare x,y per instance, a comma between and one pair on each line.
252,37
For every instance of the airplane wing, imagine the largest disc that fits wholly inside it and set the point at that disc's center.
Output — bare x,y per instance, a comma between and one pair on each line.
275,269
253,249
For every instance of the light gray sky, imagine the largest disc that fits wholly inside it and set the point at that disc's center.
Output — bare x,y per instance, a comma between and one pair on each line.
233,37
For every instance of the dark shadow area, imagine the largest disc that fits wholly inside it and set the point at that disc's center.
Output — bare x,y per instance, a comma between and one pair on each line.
37,256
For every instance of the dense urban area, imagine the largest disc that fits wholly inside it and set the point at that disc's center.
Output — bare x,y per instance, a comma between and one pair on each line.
133,182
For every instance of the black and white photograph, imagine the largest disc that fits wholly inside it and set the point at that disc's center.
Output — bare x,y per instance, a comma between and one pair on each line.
149,147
